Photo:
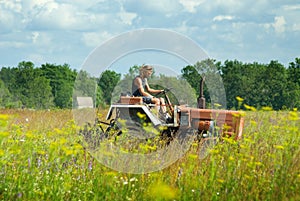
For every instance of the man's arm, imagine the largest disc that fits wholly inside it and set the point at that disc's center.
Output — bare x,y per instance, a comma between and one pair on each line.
154,91
139,84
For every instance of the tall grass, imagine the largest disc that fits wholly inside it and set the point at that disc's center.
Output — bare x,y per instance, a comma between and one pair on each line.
41,158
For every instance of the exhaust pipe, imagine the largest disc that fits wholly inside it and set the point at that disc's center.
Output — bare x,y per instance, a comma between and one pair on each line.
201,99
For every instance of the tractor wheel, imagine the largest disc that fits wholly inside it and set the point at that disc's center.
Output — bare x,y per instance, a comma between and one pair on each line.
207,140
205,144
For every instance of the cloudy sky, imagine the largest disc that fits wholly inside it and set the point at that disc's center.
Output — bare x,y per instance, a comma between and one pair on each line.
67,31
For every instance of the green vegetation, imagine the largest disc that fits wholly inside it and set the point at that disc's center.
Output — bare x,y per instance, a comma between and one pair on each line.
52,86
259,84
41,158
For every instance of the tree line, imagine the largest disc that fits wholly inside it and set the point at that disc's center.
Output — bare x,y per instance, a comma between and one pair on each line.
259,85
57,86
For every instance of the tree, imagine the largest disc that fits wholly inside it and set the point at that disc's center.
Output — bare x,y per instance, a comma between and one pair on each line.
62,80
25,74
232,79
294,71
27,86
275,80
85,85
125,85
40,94
9,76
33,89
244,80
5,96
251,83
192,76
181,91
292,93
134,71
107,83
208,70
214,90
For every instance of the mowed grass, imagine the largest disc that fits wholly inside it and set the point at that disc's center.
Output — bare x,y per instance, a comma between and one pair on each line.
41,158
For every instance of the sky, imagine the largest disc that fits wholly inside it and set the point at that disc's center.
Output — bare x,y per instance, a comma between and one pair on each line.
69,31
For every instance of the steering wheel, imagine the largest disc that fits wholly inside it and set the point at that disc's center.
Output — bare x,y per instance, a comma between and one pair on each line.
164,91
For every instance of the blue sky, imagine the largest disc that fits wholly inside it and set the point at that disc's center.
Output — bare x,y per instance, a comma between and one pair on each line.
67,31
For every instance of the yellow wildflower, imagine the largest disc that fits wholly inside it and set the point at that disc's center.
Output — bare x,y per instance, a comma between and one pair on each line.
141,116
239,99
267,108
221,180
279,147
193,156
1,152
162,191
248,107
4,134
3,117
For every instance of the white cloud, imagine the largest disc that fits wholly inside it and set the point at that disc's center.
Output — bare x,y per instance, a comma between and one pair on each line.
291,7
83,4
14,44
7,20
42,39
93,39
223,17
127,17
12,5
182,28
67,16
151,8
78,25
53,15
296,27
191,5
35,36
279,24
37,59
165,6
30,5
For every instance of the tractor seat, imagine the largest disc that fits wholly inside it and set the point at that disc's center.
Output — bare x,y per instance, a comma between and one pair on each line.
131,100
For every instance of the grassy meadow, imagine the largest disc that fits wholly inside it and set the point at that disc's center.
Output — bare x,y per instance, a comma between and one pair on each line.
41,158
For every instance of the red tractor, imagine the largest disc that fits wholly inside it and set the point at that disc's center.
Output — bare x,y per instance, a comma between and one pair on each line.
131,114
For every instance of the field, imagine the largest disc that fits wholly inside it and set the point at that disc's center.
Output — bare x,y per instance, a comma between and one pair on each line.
41,158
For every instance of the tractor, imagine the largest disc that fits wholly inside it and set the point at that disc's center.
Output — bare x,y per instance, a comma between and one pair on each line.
131,116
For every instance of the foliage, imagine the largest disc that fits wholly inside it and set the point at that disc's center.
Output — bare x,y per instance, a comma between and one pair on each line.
5,96
40,93
41,158
292,93
26,85
213,88
86,86
107,82
190,74
124,86
260,85
180,90
62,83
51,85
